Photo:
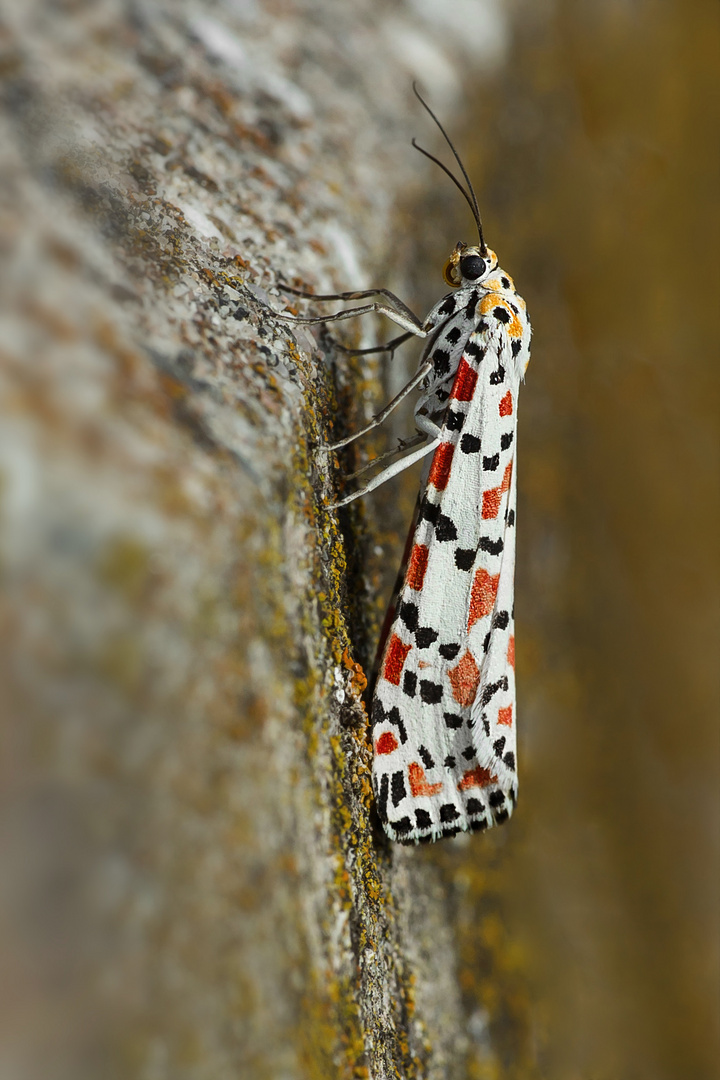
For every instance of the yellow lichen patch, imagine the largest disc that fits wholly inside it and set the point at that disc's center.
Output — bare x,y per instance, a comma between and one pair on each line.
358,681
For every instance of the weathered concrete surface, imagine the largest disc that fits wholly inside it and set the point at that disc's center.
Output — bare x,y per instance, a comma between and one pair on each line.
192,883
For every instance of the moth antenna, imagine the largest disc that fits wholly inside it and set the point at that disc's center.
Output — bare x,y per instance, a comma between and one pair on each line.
455,181
472,203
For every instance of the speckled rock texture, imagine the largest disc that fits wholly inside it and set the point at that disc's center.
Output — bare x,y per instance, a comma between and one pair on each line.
193,883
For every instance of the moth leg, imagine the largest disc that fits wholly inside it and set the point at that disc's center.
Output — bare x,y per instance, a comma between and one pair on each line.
387,474
362,294
427,426
389,346
422,372
403,444
405,318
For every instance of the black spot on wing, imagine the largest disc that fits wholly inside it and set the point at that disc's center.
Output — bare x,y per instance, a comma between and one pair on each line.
493,547
377,713
445,529
448,812
441,362
429,511
490,464
468,753
454,420
464,558
425,636
453,720
471,305
423,819
409,683
474,349
403,825
383,797
430,692
516,347
449,652
453,335
470,444
497,377
496,798
426,757
511,517
501,314
501,620
408,612
506,440
450,762
492,688
398,791
448,306
393,717
509,760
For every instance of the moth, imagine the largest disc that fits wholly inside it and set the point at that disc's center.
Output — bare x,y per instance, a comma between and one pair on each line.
443,710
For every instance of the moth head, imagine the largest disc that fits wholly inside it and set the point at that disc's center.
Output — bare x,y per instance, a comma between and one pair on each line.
468,265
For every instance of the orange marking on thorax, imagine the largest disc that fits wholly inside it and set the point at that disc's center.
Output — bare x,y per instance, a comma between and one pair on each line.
395,657
440,469
417,566
465,679
490,301
482,598
418,781
493,300
477,777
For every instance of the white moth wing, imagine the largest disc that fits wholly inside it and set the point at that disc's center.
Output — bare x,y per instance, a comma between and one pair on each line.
444,704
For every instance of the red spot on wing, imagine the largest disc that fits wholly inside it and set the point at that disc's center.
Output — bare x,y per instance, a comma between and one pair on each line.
506,405
505,716
477,777
440,469
465,679
465,380
511,651
395,657
418,781
483,595
491,503
417,566
491,499
386,743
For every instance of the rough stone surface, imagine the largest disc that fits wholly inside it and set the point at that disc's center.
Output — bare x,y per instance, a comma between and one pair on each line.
193,885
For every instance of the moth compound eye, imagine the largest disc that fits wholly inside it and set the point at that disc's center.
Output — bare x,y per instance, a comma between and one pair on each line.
472,267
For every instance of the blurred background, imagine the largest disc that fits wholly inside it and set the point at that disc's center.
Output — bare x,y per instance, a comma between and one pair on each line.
592,153
586,937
